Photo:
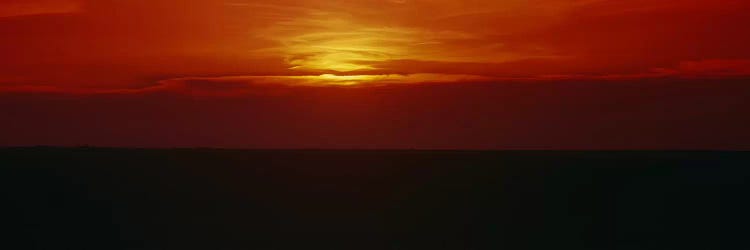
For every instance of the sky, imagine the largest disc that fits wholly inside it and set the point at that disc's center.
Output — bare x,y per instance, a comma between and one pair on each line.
424,74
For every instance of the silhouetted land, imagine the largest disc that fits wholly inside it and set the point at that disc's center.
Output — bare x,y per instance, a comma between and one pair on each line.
89,198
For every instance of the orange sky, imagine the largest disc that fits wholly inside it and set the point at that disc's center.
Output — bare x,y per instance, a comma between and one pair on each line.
106,44
344,68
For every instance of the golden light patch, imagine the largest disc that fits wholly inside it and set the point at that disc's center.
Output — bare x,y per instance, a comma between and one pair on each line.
331,42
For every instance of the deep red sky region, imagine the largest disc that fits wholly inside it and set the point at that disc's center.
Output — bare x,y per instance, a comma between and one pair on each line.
376,74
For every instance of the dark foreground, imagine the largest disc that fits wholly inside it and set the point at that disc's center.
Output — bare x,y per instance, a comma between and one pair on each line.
55,198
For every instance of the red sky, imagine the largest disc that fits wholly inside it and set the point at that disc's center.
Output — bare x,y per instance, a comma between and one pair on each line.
476,74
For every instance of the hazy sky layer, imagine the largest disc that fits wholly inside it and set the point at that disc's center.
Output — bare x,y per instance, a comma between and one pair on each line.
257,62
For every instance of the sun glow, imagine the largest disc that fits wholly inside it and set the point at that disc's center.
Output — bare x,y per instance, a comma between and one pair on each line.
343,48
334,42
328,42
343,80
382,79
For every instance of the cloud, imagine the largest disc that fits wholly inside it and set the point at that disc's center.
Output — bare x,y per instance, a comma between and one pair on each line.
226,86
709,68
15,8
609,7
701,69
234,86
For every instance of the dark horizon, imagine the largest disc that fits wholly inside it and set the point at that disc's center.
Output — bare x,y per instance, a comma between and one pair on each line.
686,114
119,199
92,147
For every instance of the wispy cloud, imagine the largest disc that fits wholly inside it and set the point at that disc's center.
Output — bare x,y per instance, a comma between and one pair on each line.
14,8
